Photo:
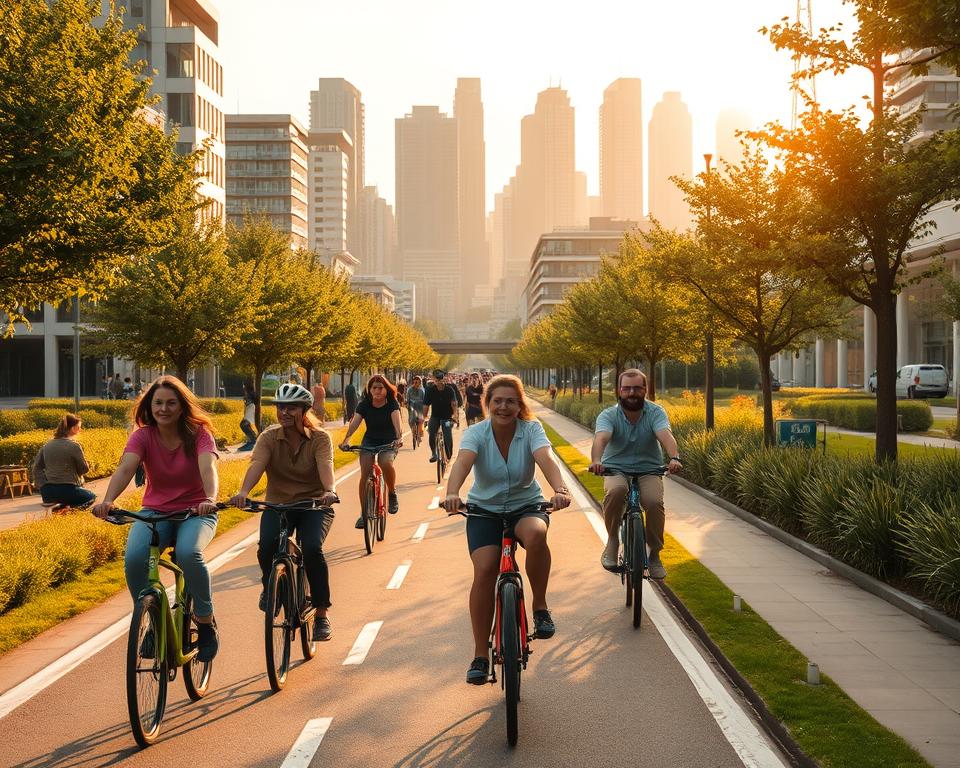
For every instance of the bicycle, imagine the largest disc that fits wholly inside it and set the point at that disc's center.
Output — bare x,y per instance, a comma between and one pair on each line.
416,430
161,639
441,445
634,565
509,637
287,594
374,507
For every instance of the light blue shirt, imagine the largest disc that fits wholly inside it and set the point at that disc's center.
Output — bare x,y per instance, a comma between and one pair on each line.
504,485
633,447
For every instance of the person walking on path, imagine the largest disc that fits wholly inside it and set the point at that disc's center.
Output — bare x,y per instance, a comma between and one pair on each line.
349,402
60,465
249,416
116,387
319,401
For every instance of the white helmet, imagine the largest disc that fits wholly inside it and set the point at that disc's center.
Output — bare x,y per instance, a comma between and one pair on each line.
293,393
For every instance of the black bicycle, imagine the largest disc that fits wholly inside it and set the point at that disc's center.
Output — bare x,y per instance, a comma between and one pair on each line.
634,564
287,594
441,444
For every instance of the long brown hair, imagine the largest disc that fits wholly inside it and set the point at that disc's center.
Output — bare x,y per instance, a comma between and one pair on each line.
193,417
508,380
68,422
380,378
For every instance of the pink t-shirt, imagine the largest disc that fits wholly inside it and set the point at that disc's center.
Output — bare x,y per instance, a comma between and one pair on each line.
173,478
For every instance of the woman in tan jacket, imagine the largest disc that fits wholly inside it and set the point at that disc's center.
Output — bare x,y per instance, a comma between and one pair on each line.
60,466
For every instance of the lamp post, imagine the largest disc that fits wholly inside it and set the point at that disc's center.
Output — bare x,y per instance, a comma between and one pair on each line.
76,354
708,347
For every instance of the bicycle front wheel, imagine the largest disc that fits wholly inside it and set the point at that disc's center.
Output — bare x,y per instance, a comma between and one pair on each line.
196,674
370,518
626,573
146,671
638,547
381,511
308,615
278,626
511,652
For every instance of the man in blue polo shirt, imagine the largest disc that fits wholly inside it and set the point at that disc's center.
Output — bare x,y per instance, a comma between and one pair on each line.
628,438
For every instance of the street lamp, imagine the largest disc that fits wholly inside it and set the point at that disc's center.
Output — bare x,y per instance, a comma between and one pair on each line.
708,351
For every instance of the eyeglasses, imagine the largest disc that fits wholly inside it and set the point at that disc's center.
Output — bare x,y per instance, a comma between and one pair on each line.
287,407
641,388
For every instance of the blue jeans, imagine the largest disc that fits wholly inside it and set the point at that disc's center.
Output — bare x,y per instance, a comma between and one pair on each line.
66,493
432,428
192,537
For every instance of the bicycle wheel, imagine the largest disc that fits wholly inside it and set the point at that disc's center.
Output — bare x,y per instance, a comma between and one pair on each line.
637,556
510,649
308,615
381,511
146,671
196,674
370,517
441,455
626,564
278,625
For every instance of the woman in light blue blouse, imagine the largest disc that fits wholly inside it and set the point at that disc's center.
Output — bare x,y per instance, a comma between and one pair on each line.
504,451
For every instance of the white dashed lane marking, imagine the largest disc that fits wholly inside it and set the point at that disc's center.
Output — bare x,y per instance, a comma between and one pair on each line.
420,532
362,645
307,743
399,575
434,503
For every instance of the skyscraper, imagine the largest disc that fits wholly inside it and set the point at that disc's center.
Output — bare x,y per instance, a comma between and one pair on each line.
428,217
379,235
337,109
330,201
670,154
621,150
729,148
471,154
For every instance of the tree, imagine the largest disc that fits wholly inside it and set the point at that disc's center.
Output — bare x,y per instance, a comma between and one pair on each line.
741,261
186,306
949,305
914,25
871,187
87,183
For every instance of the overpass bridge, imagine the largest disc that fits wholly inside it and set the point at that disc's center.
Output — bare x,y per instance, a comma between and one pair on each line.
472,346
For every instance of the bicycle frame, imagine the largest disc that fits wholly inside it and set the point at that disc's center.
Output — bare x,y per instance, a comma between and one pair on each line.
170,620
509,572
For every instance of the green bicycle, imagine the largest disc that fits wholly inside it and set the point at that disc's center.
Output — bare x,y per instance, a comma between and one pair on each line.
162,639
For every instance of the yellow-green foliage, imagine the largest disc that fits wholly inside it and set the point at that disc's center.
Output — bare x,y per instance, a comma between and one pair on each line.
860,413
102,448
119,410
12,422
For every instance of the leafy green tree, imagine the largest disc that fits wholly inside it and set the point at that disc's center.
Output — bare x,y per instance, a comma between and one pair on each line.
742,262
87,183
914,25
183,307
871,187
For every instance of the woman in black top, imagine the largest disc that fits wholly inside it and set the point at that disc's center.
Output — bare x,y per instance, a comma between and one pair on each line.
380,411
474,396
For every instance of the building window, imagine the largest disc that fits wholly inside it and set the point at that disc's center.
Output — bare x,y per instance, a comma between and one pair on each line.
137,8
942,93
180,109
180,60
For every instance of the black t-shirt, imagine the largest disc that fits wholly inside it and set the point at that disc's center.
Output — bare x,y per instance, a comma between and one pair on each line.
441,401
474,394
380,429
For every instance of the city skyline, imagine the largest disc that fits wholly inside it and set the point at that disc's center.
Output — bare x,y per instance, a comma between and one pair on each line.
395,72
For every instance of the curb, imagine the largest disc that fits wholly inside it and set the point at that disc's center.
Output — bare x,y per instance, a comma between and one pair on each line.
906,603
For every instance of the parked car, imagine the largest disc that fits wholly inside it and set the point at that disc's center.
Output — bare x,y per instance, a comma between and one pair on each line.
872,382
774,383
922,380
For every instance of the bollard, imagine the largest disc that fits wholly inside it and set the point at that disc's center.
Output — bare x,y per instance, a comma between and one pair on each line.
737,603
813,674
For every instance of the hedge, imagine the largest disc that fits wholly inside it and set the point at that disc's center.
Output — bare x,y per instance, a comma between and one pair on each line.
102,448
861,413
12,421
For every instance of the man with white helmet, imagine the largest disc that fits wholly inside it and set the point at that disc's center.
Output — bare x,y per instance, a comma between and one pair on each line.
297,455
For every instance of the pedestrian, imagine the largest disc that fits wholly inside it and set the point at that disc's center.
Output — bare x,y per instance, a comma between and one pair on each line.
127,391
249,416
60,465
319,401
552,391
116,387
349,401
105,387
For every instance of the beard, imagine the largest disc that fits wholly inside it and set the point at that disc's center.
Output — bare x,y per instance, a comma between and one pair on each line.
632,403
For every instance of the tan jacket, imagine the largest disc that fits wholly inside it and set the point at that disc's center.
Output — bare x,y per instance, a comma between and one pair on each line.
60,461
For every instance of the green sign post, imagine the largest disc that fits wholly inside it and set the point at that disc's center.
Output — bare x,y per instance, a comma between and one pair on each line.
800,432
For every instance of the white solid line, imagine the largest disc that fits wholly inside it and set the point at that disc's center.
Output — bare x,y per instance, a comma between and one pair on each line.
362,646
434,503
420,532
737,727
307,743
399,575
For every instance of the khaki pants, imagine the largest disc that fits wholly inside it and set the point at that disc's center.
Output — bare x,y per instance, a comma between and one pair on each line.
615,489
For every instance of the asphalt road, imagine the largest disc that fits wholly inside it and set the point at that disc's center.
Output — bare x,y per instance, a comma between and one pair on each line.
598,693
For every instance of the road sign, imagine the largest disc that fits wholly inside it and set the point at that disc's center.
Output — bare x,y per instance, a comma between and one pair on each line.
802,432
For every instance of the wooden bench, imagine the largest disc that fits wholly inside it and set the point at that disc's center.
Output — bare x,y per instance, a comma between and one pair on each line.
14,478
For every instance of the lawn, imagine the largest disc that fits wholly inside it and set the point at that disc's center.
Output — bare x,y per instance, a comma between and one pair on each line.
843,445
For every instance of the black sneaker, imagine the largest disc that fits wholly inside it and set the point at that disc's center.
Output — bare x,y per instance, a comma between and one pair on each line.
359,524
433,459
208,641
321,629
394,506
479,671
262,603
543,623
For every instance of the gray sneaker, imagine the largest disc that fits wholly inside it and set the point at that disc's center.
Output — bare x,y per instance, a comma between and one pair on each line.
657,571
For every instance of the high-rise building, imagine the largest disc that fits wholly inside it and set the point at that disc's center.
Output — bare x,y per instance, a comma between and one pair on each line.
378,234
937,92
428,227
328,182
621,150
336,109
670,154
267,172
178,40
471,153
729,148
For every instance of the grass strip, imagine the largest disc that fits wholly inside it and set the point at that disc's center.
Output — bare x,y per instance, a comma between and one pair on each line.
54,606
827,724
854,445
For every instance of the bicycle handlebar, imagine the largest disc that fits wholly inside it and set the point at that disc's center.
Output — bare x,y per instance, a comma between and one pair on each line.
472,510
371,449
658,472
119,516
255,505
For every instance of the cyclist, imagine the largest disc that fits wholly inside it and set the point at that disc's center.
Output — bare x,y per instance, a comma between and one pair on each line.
380,411
297,455
173,440
474,398
628,438
414,396
503,451
444,399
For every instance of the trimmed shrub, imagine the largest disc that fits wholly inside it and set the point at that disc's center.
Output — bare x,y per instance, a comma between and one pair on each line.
46,418
12,422
119,410
931,547
95,420
860,413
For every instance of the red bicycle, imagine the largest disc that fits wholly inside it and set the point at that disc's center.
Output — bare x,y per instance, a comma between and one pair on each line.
509,637
374,508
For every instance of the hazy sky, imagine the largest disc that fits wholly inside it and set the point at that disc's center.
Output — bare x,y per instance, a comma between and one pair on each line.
405,52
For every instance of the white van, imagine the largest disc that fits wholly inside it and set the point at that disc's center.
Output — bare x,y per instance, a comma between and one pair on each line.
922,381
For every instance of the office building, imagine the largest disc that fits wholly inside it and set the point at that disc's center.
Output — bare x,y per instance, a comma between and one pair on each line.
621,150
471,185
377,288
728,146
670,154
378,241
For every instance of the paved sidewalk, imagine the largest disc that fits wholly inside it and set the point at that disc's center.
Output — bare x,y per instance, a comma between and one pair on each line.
897,668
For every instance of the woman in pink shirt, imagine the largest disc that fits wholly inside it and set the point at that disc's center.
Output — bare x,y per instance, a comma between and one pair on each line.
174,442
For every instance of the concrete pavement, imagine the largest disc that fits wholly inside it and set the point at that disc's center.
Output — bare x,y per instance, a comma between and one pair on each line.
893,665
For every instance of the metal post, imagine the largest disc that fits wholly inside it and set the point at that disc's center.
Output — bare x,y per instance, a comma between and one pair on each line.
76,354
708,346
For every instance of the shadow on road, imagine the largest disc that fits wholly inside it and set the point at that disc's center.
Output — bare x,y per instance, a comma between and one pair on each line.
449,747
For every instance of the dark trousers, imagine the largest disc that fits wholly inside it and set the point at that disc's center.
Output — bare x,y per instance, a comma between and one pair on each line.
247,428
432,428
312,527
66,493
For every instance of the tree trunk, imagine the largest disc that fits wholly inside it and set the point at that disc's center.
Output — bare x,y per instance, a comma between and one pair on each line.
257,379
766,392
600,383
886,379
652,378
183,368
708,380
